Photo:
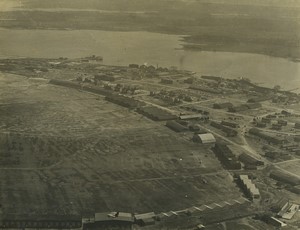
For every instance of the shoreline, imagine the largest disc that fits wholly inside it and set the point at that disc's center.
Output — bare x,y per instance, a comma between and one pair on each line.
257,86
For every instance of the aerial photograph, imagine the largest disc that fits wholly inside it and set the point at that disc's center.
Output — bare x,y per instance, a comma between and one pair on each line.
150,114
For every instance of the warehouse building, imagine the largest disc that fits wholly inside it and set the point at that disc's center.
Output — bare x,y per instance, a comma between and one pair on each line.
156,114
282,122
189,80
175,126
230,124
214,78
276,126
250,160
288,211
206,138
124,101
286,113
253,105
239,108
249,187
136,66
194,117
285,177
226,157
108,220
297,138
145,219
261,124
275,222
266,120
38,222
228,131
224,105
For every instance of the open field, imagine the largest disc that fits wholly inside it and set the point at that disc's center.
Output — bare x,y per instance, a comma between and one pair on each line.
55,141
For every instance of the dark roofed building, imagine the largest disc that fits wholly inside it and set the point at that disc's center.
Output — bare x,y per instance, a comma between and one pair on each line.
108,220
145,218
189,80
258,99
261,124
285,177
286,113
266,120
253,105
239,108
214,78
104,77
297,138
229,131
266,137
250,160
134,66
175,126
166,81
224,105
230,124
226,157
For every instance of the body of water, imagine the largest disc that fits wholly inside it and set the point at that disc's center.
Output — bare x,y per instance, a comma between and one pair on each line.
123,48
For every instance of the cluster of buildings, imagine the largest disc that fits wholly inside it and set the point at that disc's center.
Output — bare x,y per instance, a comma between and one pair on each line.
266,137
206,89
230,132
244,107
291,147
275,124
171,97
195,108
35,222
126,220
122,88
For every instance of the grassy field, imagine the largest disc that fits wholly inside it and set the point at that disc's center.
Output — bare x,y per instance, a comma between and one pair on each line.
70,152
264,27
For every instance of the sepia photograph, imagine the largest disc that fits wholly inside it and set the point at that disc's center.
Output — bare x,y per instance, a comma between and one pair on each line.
150,114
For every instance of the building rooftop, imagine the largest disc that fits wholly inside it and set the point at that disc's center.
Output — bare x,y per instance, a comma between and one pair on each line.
114,216
207,138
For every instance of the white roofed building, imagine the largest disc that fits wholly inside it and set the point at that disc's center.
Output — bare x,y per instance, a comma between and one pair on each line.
206,138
